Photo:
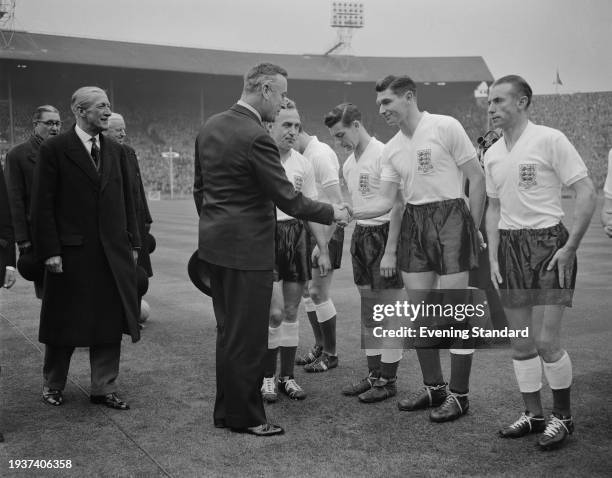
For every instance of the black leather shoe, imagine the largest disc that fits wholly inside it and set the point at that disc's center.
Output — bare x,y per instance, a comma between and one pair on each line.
53,397
523,426
111,400
453,407
428,396
557,430
219,423
362,386
263,430
382,389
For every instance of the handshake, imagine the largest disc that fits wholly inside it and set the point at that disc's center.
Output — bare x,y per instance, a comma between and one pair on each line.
343,214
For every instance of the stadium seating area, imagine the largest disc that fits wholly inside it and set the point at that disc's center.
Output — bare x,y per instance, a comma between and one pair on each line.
586,118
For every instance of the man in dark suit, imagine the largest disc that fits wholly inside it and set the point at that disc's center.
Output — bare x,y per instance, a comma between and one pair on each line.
84,230
20,163
238,180
116,130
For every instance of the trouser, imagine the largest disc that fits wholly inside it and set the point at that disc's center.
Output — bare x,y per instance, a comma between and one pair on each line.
103,359
241,301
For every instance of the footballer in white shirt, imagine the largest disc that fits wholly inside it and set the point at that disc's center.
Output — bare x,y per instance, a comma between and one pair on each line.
428,160
532,254
318,303
361,172
293,263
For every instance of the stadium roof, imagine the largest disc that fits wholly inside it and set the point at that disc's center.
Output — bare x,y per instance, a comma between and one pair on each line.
26,46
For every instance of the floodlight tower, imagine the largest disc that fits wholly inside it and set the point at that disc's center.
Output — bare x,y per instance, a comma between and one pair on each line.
346,17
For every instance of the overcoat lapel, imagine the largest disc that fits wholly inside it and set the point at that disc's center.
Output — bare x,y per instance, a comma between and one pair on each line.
79,155
35,143
106,162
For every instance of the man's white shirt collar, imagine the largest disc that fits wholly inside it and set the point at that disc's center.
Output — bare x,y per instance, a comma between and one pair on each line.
250,108
86,137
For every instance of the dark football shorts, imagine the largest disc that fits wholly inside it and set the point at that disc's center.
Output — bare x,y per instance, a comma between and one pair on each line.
367,249
523,256
335,246
438,236
292,262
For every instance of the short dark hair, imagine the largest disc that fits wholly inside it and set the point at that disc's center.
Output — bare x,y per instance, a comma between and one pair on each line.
38,112
259,73
521,87
345,112
399,85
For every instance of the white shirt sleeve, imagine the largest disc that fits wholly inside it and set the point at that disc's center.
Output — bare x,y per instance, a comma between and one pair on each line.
458,142
309,188
325,171
388,171
491,189
566,161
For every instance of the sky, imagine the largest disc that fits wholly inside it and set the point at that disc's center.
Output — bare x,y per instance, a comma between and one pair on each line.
532,38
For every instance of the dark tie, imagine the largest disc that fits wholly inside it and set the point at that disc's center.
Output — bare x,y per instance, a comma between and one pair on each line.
95,152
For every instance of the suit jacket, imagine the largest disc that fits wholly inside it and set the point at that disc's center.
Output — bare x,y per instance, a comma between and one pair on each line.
7,237
20,164
238,180
143,215
88,218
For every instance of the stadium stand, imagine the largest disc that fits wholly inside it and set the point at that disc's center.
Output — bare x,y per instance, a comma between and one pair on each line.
164,106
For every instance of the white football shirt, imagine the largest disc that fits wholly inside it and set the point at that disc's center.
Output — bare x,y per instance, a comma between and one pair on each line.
528,180
325,164
363,179
299,171
428,163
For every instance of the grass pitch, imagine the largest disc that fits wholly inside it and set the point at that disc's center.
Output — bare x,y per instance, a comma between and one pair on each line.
168,379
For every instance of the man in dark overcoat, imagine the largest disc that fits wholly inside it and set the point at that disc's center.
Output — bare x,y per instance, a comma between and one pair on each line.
7,238
7,243
116,130
238,180
20,163
84,230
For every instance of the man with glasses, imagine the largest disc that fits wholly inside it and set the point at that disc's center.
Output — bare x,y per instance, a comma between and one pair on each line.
20,163
84,231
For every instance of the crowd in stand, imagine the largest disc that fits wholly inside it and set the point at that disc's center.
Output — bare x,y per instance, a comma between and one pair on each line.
586,119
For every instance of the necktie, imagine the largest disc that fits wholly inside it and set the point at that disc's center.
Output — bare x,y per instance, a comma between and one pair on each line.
95,152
